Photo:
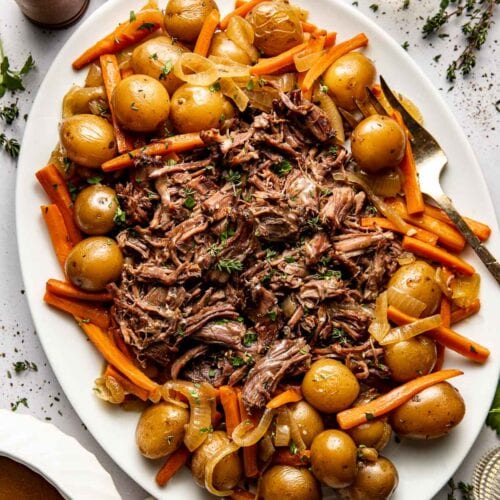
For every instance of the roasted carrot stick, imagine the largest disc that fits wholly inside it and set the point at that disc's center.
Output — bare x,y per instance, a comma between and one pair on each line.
175,144
58,232
466,312
242,11
271,65
241,494
437,254
112,76
54,185
420,234
308,27
391,400
445,336
324,62
229,402
288,396
445,311
86,310
249,452
120,343
481,230
65,289
127,386
285,457
139,26
207,32
331,38
173,463
126,72
411,186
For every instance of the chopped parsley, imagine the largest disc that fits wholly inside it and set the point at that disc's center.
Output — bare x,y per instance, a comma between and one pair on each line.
250,85
167,68
21,401
284,167
207,429
369,416
249,338
132,16
293,448
229,265
21,366
189,201
146,27
94,180
215,87
374,7
406,45
272,315
120,216
323,88
236,361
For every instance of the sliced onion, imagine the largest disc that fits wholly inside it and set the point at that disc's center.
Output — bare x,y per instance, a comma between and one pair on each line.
210,467
262,100
296,434
387,183
266,448
201,398
284,83
465,289
406,258
231,90
304,60
245,434
282,431
109,389
77,99
404,302
330,108
240,31
380,326
226,68
444,279
411,330
195,69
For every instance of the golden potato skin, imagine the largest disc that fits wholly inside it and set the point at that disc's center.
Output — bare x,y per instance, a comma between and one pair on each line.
375,481
160,430
329,386
373,434
184,18
93,263
281,482
348,77
227,472
95,208
378,142
418,280
308,420
140,103
156,57
333,458
277,27
410,358
430,414
196,108
88,140
222,46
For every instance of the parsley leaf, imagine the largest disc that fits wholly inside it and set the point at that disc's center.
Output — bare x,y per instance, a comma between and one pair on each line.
11,79
167,68
284,167
493,419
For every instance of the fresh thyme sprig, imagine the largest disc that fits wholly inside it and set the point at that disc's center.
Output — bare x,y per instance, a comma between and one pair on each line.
479,15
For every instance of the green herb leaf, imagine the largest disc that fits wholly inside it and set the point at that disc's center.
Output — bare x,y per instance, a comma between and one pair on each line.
11,146
284,167
146,27
249,338
207,429
250,84
9,113
120,216
236,361
132,16
94,180
272,315
167,68
21,401
10,79
369,416
229,265
293,448
493,419
215,87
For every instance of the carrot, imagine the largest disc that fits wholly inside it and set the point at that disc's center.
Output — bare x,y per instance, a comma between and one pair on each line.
126,72
120,343
229,402
239,3
466,312
420,234
445,336
391,400
331,38
308,27
249,452
411,186
445,311
172,465
65,289
438,255
481,230
139,26
241,494
54,185
288,396
242,11
112,76
282,456
323,63
58,232
271,65
90,312
207,32
446,234
175,144
125,383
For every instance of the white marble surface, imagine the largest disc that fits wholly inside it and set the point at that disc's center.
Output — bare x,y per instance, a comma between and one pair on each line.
472,100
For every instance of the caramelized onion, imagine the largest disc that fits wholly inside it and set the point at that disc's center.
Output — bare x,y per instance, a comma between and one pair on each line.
262,101
266,448
380,326
330,108
231,90
240,31
465,289
284,83
444,279
226,68
386,183
304,60
77,99
109,389
245,434
404,302
195,69
295,433
210,467
282,431
410,330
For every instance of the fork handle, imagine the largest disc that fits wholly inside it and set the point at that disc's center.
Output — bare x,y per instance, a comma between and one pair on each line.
483,253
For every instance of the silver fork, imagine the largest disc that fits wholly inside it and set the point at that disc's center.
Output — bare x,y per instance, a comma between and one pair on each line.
430,160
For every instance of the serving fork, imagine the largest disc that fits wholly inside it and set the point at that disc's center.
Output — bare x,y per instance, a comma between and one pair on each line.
430,160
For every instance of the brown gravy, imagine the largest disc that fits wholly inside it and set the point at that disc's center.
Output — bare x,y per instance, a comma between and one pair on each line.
21,483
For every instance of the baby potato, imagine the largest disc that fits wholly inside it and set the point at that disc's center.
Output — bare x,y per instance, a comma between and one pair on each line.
156,58
418,280
184,18
227,472
140,103
329,386
308,420
430,414
291,483
333,458
378,142
374,434
348,77
88,140
93,263
196,108
160,430
223,47
95,209
410,358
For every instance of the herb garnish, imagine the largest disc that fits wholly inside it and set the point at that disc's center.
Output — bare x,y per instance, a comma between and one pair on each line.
120,216
167,68
11,79
189,201
132,16
215,87
11,146
147,27
465,489
282,168
249,338
21,401
9,113
229,265
21,366
94,180
493,419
